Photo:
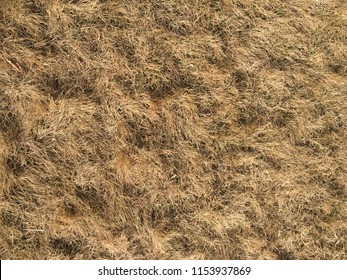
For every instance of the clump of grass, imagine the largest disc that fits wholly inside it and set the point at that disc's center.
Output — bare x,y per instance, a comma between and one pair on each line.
173,129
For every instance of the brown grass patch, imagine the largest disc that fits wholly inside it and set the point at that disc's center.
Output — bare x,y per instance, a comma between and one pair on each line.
173,129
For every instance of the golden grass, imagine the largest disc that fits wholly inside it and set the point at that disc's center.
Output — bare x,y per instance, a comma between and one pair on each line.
173,129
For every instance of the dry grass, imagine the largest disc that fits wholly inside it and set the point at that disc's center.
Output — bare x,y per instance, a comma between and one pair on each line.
173,129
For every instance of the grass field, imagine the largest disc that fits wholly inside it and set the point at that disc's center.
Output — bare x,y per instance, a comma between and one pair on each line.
176,129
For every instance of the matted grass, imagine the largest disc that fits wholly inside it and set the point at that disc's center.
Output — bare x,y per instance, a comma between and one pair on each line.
173,129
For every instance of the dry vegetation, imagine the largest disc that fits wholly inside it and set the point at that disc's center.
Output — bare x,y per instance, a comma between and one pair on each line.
152,129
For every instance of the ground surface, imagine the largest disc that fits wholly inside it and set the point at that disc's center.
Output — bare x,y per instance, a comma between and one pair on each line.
173,129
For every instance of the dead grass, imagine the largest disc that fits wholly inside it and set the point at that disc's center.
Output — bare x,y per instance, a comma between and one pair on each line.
173,129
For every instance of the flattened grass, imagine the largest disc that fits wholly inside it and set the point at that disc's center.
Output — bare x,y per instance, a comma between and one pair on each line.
173,129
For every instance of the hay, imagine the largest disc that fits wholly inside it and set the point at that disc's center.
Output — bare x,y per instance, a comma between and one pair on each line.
173,129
